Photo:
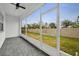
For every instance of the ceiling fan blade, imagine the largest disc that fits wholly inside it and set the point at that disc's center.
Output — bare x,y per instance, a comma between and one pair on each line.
13,3
22,7
18,5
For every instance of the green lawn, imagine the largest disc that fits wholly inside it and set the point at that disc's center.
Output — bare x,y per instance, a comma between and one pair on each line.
68,45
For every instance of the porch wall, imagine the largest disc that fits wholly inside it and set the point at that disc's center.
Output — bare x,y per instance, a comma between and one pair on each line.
11,26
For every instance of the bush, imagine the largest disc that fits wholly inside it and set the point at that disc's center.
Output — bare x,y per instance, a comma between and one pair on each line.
67,23
75,26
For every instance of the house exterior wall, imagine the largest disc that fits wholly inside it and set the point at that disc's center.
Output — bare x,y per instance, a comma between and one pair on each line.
11,26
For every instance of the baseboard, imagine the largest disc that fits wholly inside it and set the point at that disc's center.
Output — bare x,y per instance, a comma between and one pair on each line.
11,37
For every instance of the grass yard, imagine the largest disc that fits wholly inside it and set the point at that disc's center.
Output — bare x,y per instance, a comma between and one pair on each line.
68,45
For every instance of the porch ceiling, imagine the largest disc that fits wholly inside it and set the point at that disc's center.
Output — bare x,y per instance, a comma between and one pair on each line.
30,7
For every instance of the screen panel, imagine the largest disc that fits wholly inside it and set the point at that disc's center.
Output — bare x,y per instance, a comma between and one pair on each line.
33,26
49,17
69,39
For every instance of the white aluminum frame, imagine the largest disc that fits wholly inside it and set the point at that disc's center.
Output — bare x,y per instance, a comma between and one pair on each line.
58,28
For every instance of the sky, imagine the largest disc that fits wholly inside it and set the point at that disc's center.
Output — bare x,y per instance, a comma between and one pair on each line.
68,11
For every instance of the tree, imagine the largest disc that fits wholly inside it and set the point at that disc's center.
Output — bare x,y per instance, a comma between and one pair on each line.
29,26
77,19
52,25
66,23
23,29
45,25
34,26
76,25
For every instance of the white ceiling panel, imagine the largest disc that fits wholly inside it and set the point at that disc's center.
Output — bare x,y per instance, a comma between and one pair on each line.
11,9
